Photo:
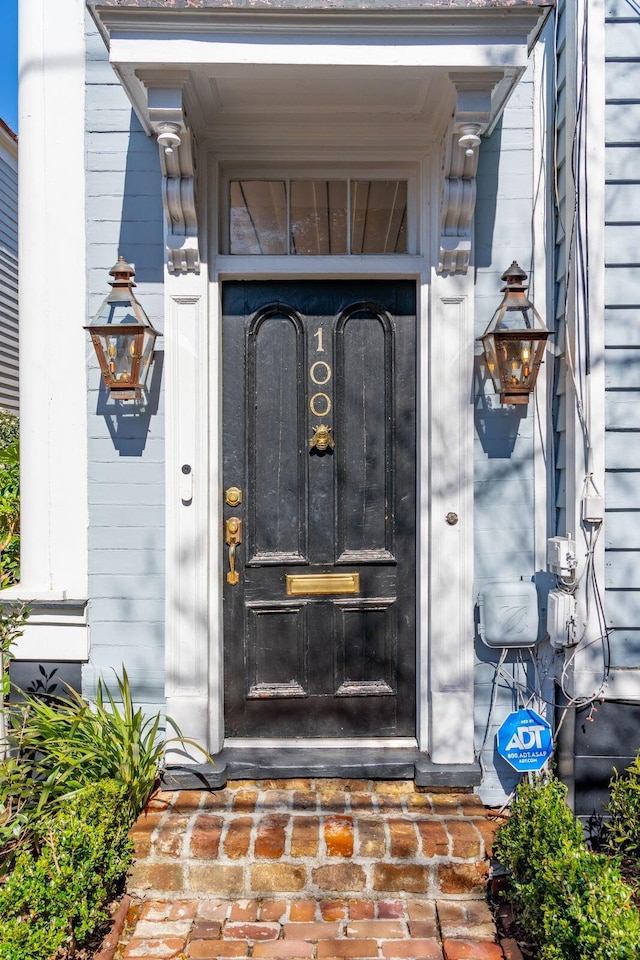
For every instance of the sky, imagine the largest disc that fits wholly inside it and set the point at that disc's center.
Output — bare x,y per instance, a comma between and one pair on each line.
9,63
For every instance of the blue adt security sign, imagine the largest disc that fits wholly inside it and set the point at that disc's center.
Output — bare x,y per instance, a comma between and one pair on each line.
524,740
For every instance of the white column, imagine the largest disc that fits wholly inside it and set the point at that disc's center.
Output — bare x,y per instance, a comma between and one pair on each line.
190,434
450,522
53,396
187,488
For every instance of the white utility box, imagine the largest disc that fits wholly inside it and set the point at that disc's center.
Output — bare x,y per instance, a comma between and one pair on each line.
561,556
562,624
509,614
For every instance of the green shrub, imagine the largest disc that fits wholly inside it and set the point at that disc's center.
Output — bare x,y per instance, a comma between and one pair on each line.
57,895
15,793
622,828
9,499
13,620
15,796
9,428
574,903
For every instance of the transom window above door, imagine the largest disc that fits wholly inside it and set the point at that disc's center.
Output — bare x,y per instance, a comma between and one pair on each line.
317,217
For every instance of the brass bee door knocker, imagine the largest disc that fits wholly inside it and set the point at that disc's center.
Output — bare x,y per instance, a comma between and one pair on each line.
322,439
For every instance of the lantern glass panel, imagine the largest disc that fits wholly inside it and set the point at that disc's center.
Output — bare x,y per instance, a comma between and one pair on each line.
147,355
517,362
491,357
119,350
516,318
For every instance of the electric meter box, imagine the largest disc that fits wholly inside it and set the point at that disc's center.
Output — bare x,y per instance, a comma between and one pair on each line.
509,614
561,619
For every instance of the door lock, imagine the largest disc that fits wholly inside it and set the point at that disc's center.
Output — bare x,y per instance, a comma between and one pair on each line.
233,496
232,537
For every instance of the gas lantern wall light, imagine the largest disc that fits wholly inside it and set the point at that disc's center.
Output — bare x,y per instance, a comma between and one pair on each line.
123,337
514,340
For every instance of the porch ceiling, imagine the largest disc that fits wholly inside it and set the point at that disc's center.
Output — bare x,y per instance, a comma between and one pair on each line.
247,68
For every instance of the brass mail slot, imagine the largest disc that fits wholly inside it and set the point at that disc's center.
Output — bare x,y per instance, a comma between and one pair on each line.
319,583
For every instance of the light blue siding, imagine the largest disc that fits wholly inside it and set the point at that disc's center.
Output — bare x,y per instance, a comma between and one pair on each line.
625,648
503,445
125,447
619,235
622,331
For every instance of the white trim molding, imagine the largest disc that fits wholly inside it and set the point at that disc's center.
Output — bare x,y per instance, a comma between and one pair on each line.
55,631
584,670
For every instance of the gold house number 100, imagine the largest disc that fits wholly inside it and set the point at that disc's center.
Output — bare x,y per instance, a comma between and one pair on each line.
320,374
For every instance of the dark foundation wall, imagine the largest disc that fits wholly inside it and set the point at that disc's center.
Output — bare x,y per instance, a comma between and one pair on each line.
610,739
50,678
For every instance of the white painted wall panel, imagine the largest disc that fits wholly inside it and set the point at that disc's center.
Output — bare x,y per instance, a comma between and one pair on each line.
621,249
622,39
625,648
622,203
622,163
621,10
622,368
622,570
622,452
622,608
622,491
622,285
622,326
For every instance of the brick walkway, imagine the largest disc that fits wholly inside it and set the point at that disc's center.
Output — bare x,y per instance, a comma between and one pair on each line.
312,869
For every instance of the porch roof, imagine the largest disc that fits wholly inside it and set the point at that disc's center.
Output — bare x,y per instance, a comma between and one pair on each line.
327,5
381,79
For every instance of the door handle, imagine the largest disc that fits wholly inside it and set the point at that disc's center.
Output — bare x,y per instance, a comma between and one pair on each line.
232,537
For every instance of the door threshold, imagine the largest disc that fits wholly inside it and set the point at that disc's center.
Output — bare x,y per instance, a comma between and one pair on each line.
326,743
261,762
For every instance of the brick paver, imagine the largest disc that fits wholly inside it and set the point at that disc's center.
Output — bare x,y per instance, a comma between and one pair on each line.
316,930
315,870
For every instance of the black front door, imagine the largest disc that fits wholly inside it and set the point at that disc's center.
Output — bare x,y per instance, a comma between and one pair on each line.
319,538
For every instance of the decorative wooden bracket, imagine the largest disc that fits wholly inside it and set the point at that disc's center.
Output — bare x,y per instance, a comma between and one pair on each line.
470,120
175,142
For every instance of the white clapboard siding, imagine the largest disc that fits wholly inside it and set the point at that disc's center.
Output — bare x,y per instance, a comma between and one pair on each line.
9,392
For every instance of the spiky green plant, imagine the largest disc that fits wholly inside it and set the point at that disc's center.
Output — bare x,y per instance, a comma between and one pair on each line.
68,743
